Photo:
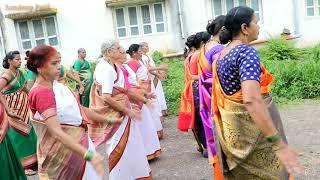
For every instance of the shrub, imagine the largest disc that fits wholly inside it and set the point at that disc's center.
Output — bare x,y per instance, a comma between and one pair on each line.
278,49
174,84
156,56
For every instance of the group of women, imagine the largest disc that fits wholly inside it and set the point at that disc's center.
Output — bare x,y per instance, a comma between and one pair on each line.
47,126
226,102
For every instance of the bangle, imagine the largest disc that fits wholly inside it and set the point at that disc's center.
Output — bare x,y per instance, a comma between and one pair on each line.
274,138
88,155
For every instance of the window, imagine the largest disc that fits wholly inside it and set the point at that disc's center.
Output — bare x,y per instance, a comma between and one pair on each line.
313,7
140,20
34,32
223,6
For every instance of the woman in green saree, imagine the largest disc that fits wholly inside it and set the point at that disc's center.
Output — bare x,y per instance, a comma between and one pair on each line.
14,99
11,167
83,72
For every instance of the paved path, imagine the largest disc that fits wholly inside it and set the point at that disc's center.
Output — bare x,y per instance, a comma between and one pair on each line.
180,159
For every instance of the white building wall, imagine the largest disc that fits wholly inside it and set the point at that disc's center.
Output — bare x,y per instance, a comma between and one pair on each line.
276,16
309,26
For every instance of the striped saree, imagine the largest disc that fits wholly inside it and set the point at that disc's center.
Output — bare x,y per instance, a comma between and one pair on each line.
21,131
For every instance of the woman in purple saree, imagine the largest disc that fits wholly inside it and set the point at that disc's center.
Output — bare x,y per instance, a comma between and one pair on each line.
208,54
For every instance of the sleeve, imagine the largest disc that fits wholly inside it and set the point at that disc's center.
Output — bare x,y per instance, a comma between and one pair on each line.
194,64
43,101
106,79
77,65
249,66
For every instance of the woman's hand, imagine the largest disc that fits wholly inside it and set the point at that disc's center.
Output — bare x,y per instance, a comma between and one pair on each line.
97,163
81,89
151,96
289,158
133,114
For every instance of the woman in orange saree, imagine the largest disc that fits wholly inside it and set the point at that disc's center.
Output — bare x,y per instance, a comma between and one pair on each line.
249,135
189,117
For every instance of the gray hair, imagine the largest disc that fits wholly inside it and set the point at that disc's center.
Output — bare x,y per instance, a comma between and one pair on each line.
81,50
143,44
107,44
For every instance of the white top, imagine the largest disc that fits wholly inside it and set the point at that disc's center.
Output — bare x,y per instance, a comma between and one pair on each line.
106,75
67,106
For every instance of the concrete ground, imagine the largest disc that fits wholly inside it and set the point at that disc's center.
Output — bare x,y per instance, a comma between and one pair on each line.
180,159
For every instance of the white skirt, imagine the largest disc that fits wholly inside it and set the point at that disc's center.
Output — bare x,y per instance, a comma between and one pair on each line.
161,97
155,112
90,172
148,132
133,163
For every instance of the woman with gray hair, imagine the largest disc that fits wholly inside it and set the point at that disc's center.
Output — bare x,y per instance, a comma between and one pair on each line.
109,97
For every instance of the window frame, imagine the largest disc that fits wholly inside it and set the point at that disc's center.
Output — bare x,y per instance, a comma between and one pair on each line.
224,9
32,37
315,7
140,25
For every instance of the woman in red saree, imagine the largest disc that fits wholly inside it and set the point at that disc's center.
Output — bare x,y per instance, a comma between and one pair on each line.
64,150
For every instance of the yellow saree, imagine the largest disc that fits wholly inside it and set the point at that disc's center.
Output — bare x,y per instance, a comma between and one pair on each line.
242,149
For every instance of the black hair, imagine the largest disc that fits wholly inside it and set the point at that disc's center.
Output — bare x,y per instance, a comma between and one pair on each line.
132,49
198,40
215,25
234,19
205,37
193,41
10,55
27,55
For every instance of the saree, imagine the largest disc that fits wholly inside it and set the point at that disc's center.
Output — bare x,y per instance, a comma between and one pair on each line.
56,161
85,74
147,129
21,131
11,167
186,113
205,95
242,149
123,140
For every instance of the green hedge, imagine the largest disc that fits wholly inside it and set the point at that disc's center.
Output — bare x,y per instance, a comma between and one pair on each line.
296,73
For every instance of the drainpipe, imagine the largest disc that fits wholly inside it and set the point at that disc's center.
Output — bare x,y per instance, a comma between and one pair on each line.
181,19
3,35
296,20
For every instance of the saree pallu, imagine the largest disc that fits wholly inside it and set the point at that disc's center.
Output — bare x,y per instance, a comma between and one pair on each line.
55,161
123,140
205,94
101,132
21,131
242,150
11,167
186,113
